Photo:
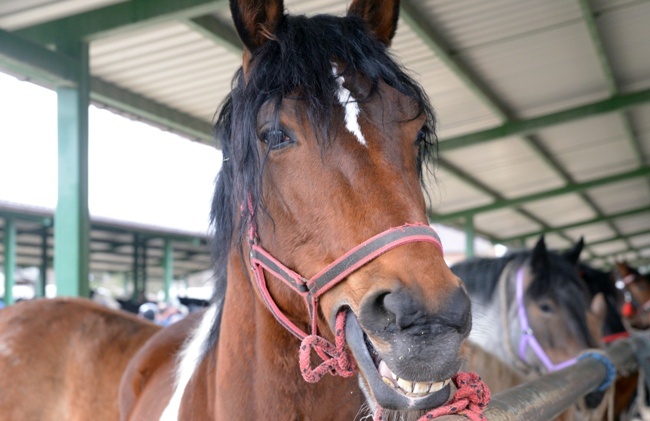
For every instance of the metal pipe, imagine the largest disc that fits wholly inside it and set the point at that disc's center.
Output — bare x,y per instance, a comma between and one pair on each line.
548,396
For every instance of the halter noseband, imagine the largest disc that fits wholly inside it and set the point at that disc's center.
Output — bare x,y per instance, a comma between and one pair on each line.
311,289
528,337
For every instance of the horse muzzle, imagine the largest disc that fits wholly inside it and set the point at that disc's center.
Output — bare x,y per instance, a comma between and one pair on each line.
383,385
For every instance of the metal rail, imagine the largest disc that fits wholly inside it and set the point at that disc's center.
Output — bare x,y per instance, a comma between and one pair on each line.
548,396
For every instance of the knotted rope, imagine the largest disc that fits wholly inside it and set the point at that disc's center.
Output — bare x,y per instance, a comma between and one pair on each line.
336,359
470,400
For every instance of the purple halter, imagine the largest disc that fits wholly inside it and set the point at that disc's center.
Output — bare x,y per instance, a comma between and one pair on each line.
528,337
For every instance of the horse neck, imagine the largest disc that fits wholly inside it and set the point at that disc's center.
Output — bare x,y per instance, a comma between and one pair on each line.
501,311
257,374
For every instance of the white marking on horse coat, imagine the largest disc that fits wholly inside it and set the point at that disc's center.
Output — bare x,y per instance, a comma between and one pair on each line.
5,350
351,107
190,357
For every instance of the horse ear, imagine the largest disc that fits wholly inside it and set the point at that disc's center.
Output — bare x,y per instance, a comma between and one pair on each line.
256,20
539,256
381,16
573,254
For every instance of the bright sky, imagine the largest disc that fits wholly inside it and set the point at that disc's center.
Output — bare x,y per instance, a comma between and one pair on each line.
137,173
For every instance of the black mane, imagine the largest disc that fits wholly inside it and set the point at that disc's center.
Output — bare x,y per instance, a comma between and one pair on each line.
296,63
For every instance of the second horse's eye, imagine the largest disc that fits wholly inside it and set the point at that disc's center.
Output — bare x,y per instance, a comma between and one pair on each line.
275,139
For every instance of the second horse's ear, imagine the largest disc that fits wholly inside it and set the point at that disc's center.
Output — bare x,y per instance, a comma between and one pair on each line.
256,20
573,254
380,15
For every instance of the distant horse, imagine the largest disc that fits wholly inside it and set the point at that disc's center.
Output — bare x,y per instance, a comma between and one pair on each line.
613,329
322,247
532,311
635,295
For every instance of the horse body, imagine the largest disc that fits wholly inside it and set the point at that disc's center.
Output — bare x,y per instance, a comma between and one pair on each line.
62,359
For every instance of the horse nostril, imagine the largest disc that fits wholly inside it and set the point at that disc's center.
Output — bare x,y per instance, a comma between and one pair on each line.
458,311
405,310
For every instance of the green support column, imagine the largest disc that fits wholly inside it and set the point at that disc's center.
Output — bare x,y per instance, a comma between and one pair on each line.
469,237
169,268
9,259
42,277
72,219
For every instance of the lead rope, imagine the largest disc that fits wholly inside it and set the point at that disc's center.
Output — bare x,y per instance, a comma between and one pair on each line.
336,358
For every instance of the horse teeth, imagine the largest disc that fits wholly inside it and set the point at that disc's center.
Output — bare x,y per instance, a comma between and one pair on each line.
388,382
421,388
438,386
405,385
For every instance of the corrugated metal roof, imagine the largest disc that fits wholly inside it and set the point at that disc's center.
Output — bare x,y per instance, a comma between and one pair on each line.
484,64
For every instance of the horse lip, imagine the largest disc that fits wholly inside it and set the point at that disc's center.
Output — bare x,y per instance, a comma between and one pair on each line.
384,395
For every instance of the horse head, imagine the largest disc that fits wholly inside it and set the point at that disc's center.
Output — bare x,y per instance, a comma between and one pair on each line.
564,318
634,289
325,143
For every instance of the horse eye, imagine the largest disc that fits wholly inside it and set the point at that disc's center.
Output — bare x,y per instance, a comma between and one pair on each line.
422,135
546,307
275,139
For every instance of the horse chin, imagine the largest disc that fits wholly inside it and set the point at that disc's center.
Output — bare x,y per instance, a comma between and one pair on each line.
383,388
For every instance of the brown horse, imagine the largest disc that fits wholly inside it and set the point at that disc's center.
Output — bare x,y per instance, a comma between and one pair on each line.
62,359
322,238
635,290
322,246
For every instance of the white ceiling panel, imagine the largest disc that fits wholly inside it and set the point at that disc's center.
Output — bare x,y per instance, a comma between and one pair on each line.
623,196
591,148
625,33
591,232
508,166
561,210
505,223
636,223
611,247
451,194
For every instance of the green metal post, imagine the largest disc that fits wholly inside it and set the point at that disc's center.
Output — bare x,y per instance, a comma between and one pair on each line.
9,259
42,278
169,268
469,237
72,219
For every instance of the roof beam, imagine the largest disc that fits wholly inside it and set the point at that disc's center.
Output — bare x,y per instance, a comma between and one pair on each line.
27,59
215,29
616,103
606,218
117,18
154,113
571,188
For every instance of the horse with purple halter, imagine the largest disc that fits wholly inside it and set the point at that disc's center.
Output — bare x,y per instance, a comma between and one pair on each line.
545,315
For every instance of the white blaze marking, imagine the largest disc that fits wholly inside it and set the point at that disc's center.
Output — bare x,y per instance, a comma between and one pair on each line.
351,107
190,357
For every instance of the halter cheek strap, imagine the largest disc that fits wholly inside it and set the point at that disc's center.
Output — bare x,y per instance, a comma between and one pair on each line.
528,338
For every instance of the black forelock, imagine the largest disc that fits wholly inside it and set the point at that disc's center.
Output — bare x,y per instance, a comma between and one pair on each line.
296,63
